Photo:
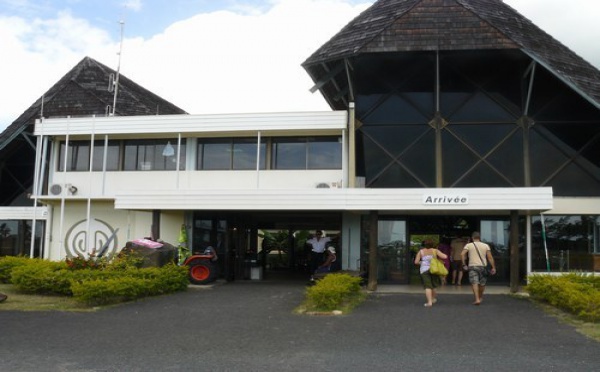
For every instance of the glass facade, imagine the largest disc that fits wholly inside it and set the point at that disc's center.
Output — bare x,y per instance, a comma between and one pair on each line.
469,119
565,243
149,154
145,155
78,156
230,153
15,237
306,153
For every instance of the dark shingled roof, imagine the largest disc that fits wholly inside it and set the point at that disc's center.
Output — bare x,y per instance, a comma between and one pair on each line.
83,91
428,25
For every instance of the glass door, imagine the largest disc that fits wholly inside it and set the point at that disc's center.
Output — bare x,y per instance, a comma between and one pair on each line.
496,233
393,256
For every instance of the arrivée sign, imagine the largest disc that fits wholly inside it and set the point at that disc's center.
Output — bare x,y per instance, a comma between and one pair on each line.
445,199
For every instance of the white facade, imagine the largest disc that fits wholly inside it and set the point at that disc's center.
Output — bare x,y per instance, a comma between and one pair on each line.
88,208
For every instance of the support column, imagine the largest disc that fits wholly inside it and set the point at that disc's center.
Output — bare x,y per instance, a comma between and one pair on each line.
351,146
514,251
373,236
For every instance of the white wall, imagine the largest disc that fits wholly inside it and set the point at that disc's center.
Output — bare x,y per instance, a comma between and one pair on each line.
99,184
69,232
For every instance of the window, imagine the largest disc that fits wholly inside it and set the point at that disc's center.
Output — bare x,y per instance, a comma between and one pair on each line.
229,153
307,153
78,156
569,240
159,154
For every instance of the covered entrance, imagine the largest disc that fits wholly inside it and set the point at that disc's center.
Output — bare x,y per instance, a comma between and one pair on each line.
400,237
257,245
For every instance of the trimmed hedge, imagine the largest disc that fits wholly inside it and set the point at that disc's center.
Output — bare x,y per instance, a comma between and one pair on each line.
93,284
578,294
137,284
8,263
333,291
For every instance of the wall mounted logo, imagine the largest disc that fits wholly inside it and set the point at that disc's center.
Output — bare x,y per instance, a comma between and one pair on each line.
445,199
102,236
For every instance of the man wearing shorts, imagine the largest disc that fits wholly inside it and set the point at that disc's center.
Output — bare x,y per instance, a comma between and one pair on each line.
477,278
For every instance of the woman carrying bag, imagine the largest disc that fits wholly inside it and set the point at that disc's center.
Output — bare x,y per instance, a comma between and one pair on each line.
430,281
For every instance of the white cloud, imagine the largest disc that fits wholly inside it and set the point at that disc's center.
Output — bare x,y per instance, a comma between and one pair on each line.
228,62
36,54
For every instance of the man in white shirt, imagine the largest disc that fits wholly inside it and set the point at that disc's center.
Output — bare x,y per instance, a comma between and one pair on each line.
318,244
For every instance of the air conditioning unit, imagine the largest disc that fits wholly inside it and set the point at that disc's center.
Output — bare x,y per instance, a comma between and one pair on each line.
57,189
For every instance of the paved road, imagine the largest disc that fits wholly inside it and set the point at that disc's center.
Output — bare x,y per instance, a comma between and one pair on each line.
248,326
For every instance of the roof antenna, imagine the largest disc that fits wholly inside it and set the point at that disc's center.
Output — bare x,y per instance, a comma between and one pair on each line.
114,81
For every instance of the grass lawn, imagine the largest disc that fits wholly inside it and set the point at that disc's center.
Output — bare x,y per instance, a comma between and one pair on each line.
26,302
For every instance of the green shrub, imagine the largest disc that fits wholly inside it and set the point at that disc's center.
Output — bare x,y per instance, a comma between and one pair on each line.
41,277
93,281
578,294
109,291
333,291
130,284
8,263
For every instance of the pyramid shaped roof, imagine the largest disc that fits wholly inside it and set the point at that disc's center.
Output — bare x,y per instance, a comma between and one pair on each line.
429,25
83,91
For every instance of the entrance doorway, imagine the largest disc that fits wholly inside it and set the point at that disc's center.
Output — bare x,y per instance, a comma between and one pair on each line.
399,240
257,245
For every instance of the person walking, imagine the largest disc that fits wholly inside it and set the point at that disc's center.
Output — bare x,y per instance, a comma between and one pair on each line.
430,281
478,254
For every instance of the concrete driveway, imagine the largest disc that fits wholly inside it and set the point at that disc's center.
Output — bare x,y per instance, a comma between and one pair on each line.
249,326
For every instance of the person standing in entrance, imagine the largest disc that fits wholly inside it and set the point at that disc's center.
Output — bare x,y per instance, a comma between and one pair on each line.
457,244
445,248
317,243
479,254
430,281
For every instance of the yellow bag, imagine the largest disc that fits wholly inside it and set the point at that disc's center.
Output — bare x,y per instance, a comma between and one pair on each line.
437,266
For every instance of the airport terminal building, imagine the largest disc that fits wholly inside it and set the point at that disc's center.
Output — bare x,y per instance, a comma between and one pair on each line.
448,116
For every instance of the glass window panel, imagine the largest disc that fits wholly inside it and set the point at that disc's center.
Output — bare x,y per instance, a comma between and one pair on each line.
553,101
217,155
481,108
375,158
146,155
396,109
508,159
395,176
112,156
244,154
482,176
289,153
412,146
457,159
570,242
420,159
78,156
545,158
573,180
325,153
392,251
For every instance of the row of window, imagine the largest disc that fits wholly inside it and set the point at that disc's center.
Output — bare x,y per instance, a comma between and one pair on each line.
211,154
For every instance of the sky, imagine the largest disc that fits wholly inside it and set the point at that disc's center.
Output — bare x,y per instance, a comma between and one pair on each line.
210,56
